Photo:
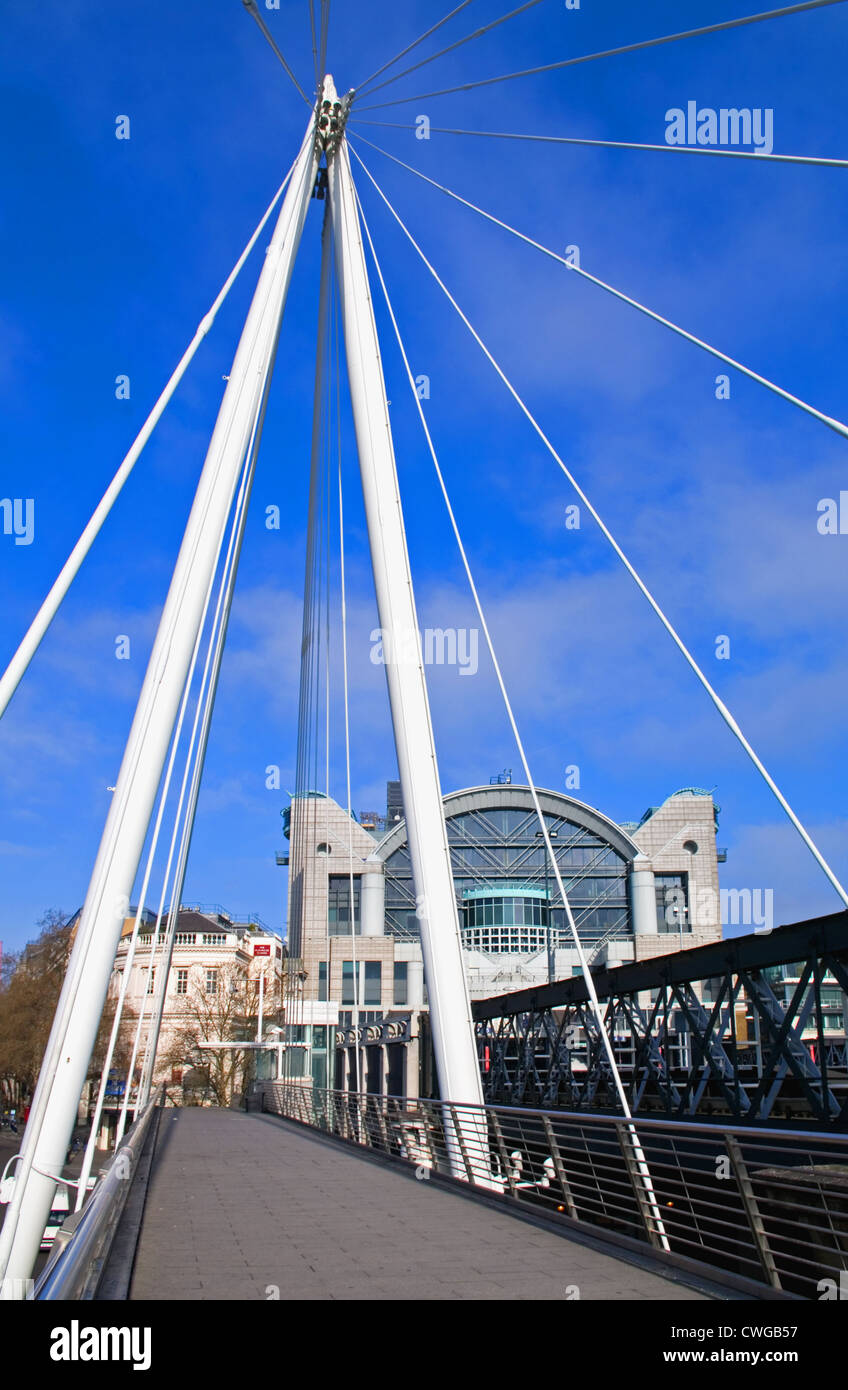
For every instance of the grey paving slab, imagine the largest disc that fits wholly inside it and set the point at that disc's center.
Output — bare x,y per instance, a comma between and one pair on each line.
248,1207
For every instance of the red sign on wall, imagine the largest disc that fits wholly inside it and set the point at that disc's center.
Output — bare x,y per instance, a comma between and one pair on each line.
262,949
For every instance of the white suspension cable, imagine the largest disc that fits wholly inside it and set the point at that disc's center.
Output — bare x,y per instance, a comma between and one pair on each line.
203,693
325,32
347,782
130,956
314,43
47,612
205,704
250,6
409,47
587,974
613,52
77,968
220,622
819,415
88,1156
759,155
670,629
478,33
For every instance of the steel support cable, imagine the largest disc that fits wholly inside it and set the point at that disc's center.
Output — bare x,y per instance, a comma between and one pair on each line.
328,419
204,694
613,52
221,620
205,705
670,629
760,156
328,433
250,6
243,495
79,959
519,743
314,45
142,899
346,690
325,31
409,47
47,612
478,33
819,415
347,778
301,811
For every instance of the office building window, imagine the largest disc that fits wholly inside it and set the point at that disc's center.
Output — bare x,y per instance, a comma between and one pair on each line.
211,982
370,982
338,905
373,982
182,982
322,980
400,985
672,903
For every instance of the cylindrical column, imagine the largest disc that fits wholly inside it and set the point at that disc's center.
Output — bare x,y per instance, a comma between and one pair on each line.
372,899
107,901
643,897
453,1034
415,984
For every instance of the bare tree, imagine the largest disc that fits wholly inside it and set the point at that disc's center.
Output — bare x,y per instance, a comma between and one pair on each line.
30,986
222,1005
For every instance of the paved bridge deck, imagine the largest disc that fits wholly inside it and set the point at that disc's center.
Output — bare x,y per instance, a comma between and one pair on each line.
252,1207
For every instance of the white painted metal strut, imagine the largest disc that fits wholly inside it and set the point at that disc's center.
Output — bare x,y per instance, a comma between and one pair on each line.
80,1006
450,1008
14,672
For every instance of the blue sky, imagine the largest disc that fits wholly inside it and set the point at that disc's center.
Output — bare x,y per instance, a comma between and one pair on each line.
113,250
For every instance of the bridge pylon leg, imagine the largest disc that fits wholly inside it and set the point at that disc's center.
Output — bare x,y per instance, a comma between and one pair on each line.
66,1061
450,1009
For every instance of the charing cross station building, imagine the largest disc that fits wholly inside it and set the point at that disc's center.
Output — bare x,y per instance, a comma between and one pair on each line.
635,890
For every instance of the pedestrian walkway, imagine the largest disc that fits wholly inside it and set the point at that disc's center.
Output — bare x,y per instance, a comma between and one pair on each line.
253,1207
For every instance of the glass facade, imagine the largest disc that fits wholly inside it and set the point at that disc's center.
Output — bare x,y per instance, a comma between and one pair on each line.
401,992
672,903
504,922
499,848
338,904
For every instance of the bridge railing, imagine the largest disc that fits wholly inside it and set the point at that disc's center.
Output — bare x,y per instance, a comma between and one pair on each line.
82,1248
765,1211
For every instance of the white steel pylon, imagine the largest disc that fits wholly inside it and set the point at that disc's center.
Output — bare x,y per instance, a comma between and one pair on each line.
450,1006
54,1108
72,1038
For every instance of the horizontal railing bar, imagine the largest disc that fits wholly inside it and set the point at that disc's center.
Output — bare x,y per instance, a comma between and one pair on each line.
76,1266
772,1137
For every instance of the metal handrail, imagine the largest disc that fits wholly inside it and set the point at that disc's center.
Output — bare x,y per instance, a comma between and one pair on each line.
76,1264
764,1210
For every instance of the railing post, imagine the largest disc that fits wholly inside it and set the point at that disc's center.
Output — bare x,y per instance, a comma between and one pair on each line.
428,1134
457,1130
559,1168
504,1156
637,1183
752,1210
381,1120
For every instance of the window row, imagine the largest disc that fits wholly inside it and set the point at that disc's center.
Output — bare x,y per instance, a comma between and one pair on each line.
370,982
